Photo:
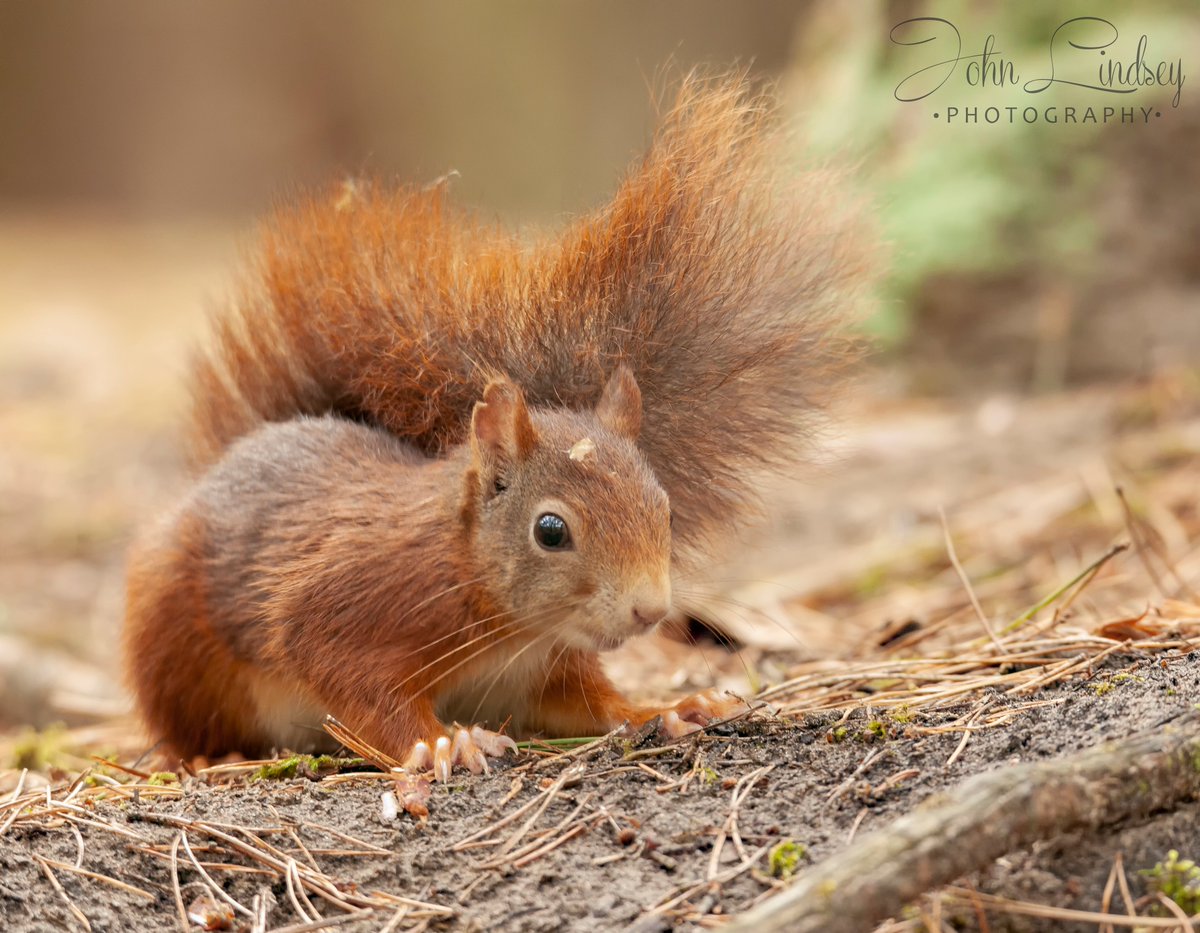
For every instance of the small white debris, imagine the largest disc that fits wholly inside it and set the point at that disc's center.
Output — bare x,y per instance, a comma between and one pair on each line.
583,449
390,809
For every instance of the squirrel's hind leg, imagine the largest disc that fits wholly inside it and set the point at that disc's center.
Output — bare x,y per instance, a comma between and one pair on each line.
193,695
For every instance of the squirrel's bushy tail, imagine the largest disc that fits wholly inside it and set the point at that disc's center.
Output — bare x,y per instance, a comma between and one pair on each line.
721,275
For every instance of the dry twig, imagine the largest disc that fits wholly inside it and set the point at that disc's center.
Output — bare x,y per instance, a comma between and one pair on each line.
988,815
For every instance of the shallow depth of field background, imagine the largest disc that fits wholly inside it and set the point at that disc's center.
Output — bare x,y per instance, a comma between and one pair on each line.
1044,297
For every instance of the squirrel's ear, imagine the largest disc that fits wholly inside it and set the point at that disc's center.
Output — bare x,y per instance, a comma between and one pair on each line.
501,432
620,405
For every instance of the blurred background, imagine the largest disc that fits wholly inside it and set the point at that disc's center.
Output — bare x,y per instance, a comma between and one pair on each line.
1042,308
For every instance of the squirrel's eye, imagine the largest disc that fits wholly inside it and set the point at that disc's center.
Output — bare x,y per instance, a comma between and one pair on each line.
551,532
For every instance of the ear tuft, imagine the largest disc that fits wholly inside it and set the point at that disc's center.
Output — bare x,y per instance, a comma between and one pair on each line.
620,405
501,431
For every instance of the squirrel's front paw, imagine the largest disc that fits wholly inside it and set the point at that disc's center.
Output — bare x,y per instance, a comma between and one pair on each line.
466,748
697,711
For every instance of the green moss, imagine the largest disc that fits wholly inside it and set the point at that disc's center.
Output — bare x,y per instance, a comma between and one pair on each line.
280,770
876,729
1178,879
101,770
784,858
902,715
38,751
709,775
303,766
163,778
871,582
1101,689
325,764
837,734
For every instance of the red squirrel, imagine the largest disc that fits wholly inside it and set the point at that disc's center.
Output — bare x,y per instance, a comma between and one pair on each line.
440,468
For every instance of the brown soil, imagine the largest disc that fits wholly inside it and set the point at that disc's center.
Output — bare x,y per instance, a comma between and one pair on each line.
817,793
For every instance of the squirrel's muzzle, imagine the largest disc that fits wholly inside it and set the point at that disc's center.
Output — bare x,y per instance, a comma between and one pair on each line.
649,616
649,604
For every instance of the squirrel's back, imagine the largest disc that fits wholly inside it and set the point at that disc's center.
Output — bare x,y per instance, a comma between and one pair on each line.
722,277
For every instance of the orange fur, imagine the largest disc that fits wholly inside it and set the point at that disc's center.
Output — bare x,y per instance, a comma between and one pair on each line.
721,278
403,390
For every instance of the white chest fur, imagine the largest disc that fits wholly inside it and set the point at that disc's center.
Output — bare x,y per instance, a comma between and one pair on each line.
289,717
507,694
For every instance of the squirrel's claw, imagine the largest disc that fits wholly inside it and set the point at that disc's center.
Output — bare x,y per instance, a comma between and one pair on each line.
695,712
443,764
492,744
469,748
419,759
674,726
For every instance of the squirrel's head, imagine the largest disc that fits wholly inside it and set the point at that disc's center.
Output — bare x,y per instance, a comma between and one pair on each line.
566,517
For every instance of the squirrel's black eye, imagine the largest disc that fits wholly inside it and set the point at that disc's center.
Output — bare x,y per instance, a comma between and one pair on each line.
551,532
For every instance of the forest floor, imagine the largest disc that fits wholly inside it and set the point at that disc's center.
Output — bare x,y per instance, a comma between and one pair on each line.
960,588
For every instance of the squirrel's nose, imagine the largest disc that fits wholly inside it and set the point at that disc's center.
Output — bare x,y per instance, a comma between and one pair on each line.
649,614
649,602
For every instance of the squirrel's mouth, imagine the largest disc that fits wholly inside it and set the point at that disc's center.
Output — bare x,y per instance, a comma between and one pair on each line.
590,639
608,642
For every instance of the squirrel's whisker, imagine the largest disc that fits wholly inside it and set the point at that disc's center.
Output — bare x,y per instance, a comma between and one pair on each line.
685,630
550,633
514,624
446,592
425,647
729,646
487,647
550,668
583,692
747,607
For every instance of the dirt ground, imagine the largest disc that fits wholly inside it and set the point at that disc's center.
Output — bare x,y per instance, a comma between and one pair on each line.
642,845
885,689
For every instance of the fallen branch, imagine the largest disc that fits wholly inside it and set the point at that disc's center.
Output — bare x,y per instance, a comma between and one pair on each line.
985,817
